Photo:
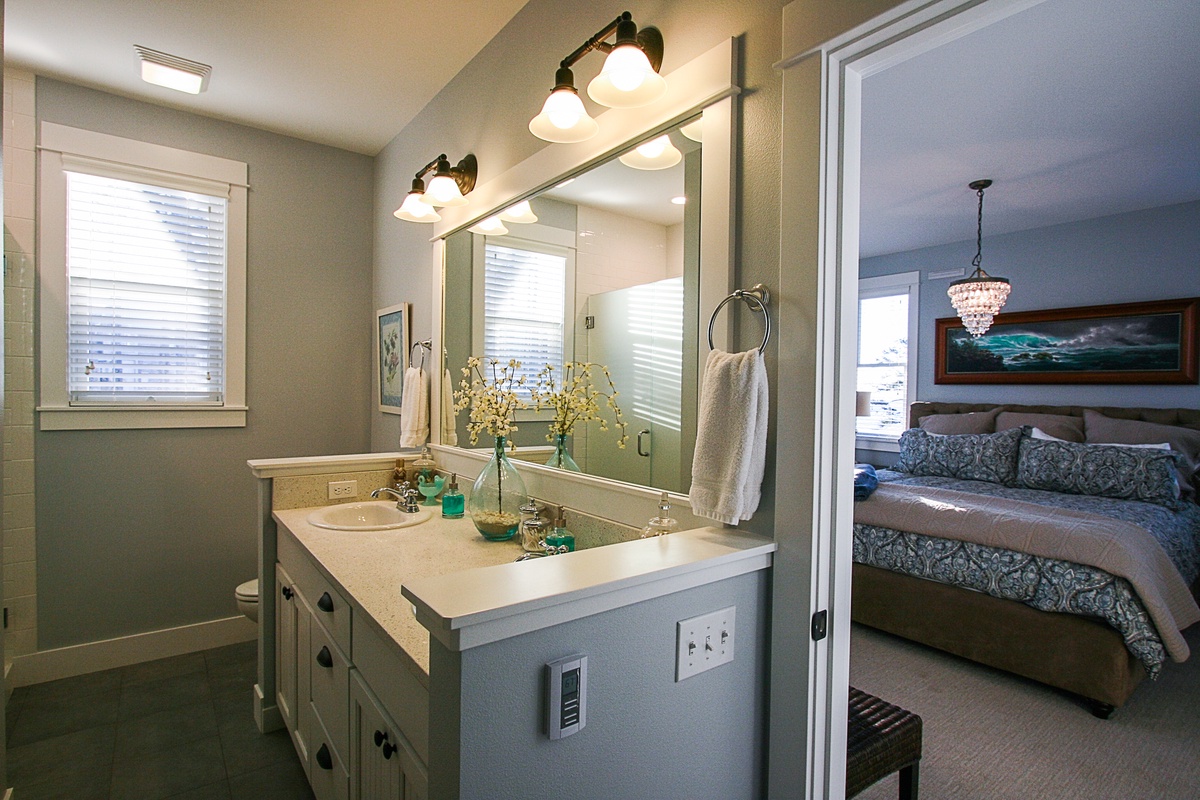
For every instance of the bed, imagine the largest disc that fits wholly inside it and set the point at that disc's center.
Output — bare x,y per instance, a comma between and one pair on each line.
932,566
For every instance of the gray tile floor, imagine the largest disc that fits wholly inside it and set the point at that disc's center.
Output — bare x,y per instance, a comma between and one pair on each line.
179,728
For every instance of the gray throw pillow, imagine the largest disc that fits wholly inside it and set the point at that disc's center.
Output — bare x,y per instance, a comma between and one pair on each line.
1060,426
955,424
975,457
1126,473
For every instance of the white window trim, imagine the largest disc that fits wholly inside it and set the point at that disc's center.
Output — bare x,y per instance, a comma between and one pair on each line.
59,144
883,286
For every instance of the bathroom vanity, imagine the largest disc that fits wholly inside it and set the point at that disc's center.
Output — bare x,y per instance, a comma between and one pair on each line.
409,663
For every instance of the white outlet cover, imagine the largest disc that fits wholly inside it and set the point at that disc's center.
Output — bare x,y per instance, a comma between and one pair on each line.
704,642
342,489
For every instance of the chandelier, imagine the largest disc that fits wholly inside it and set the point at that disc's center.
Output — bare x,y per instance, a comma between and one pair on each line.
978,297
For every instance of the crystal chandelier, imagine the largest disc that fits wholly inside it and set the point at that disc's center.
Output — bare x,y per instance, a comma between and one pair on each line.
978,297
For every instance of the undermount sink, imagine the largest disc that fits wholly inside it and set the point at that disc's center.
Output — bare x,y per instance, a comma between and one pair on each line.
381,515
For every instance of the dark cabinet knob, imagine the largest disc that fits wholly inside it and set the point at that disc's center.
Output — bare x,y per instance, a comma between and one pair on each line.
286,592
388,749
325,603
324,758
325,658
380,738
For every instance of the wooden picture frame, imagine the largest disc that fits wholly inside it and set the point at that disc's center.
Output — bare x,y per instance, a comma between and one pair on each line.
1125,343
392,343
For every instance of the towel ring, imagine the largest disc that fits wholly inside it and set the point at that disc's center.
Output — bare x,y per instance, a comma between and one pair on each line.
424,345
757,297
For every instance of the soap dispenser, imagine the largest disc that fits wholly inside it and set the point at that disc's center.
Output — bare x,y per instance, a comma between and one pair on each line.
429,483
453,502
662,524
560,540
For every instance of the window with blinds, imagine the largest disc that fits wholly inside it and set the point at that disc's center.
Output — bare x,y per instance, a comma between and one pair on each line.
887,347
146,275
524,307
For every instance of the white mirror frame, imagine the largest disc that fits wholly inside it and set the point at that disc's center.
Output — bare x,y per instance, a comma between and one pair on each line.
706,84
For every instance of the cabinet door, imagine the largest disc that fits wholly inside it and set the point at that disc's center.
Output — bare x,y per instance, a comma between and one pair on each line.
286,651
383,765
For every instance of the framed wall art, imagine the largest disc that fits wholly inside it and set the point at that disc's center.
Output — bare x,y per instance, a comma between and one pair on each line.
391,354
1140,343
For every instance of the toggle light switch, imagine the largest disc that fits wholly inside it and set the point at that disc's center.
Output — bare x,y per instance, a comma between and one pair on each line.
716,631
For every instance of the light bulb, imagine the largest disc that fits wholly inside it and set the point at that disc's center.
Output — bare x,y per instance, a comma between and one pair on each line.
492,226
654,148
627,66
413,210
564,109
655,154
563,118
444,191
627,79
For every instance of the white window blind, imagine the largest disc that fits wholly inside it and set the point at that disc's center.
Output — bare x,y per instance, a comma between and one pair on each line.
887,347
146,271
524,307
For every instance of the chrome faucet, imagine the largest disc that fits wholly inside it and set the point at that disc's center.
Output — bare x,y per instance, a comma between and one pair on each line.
406,497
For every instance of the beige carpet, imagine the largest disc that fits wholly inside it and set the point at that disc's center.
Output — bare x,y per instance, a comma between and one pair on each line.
989,735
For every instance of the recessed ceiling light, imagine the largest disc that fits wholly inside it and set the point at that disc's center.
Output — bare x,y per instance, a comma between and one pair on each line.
173,72
680,200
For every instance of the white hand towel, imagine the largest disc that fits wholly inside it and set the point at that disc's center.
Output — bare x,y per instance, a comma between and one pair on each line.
414,408
731,437
449,422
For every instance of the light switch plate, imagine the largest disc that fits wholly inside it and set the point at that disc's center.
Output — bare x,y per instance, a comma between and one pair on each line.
704,642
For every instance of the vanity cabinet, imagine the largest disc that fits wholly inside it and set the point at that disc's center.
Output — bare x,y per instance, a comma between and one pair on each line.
349,740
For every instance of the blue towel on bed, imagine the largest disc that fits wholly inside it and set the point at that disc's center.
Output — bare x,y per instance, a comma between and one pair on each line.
865,481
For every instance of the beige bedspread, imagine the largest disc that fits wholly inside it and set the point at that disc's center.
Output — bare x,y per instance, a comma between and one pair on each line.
1118,547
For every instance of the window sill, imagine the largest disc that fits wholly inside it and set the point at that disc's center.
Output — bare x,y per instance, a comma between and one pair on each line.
76,418
884,444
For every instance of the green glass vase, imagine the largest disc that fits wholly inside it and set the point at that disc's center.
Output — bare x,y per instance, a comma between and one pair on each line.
497,496
561,457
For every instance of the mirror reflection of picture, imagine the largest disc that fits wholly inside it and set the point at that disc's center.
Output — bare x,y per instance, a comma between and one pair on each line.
391,349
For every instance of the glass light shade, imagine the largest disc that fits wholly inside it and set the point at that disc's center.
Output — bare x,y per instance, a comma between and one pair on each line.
563,119
694,131
655,154
172,78
413,210
444,191
627,80
492,226
520,212
977,299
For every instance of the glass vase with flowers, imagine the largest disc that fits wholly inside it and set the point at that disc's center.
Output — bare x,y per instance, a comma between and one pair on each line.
573,398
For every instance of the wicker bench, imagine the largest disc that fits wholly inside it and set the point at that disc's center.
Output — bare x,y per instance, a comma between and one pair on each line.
881,738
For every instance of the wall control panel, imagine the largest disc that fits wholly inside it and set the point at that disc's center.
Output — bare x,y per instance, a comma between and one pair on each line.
704,642
566,696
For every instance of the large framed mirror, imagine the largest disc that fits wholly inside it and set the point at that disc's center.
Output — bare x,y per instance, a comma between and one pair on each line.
620,268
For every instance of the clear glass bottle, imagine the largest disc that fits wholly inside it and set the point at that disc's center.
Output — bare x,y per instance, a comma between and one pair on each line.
561,458
497,496
453,502
662,524
559,539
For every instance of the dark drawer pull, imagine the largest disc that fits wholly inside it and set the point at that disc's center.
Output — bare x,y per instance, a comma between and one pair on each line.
325,658
388,749
287,592
324,759
325,603
380,738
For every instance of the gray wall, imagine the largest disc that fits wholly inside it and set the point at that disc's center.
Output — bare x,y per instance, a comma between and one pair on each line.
143,530
486,110
646,735
1126,258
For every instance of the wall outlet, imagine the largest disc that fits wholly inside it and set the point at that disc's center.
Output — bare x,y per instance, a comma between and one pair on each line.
340,490
704,642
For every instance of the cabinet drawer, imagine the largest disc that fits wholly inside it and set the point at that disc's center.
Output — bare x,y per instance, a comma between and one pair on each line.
329,678
327,772
328,605
400,693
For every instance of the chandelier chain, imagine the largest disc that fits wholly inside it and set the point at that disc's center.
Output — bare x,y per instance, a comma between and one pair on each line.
979,233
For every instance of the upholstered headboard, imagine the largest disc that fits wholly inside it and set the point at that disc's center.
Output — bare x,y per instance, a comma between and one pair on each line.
1182,417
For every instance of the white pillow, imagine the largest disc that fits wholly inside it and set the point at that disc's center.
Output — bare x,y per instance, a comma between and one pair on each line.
1038,433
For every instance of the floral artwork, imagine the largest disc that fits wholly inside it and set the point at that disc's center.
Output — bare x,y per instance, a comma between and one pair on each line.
574,398
391,348
489,390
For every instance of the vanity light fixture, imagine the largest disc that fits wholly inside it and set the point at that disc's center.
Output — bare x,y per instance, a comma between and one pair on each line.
173,72
979,296
492,226
628,79
520,213
694,131
447,188
657,153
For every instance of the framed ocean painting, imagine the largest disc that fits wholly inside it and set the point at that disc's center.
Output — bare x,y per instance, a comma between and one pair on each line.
1144,343
391,353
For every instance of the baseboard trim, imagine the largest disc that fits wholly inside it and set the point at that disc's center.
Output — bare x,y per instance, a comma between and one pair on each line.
80,659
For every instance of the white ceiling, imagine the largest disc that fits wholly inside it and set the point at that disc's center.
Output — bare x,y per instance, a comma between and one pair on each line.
350,73
1075,108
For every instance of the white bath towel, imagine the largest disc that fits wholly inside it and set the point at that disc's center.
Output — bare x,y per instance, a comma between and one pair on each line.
449,423
414,408
731,437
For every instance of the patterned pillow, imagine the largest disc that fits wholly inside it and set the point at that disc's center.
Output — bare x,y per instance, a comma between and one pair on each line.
1126,473
973,456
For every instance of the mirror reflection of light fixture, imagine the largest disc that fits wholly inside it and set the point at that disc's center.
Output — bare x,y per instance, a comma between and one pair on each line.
979,296
694,131
657,153
628,79
521,213
679,200
447,188
492,226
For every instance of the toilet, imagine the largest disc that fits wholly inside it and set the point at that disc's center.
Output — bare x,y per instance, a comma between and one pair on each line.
247,599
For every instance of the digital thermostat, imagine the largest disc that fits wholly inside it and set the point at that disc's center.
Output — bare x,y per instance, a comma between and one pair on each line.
566,696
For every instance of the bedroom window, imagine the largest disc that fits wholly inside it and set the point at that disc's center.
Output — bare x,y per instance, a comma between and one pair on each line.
887,354
144,284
